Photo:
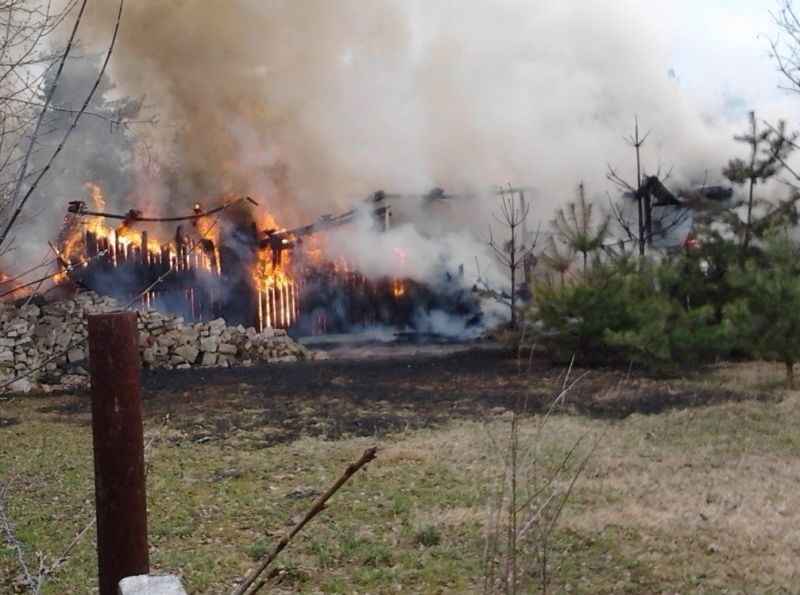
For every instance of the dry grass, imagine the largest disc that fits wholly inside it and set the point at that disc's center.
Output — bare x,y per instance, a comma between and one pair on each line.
694,500
713,493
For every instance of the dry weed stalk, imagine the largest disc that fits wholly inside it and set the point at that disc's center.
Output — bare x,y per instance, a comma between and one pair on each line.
528,503
16,545
45,569
317,507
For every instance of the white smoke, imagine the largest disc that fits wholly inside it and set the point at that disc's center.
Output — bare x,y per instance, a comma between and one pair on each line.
313,103
310,106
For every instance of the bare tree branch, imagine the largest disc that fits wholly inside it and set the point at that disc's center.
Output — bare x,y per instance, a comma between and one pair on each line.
513,253
35,133
317,507
75,120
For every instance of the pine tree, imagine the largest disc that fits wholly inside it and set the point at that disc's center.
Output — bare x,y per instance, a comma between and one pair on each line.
558,260
574,226
519,245
769,148
765,322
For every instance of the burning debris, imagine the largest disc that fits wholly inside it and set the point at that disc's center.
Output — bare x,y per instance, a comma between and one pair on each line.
203,272
703,197
226,262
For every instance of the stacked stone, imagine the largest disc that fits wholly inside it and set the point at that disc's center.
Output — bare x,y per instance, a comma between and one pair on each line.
30,335
167,342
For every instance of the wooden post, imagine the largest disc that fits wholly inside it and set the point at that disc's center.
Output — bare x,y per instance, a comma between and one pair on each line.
145,249
118,448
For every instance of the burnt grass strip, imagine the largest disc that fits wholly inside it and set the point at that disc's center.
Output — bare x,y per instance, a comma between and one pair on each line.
368,397
372,397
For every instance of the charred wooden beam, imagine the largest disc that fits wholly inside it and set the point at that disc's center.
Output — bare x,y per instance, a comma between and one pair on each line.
653,186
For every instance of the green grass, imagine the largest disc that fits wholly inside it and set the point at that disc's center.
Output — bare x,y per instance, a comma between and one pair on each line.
428,536
401,504
695,500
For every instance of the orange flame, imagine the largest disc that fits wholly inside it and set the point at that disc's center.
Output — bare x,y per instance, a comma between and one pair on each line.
11,287
198,250
398,288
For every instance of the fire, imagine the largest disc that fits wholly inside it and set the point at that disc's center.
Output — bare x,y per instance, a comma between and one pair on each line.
398,288
224,261
10,287
97,195
194,251
95,225
398,285
277,293
277,296
77,229
72,246
124,241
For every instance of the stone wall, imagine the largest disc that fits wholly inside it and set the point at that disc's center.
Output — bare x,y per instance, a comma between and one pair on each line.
30,335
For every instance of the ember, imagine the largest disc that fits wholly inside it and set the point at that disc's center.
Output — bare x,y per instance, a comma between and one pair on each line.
226,263
205,271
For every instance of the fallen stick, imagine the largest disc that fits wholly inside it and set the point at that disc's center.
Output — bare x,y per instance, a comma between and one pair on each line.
317,507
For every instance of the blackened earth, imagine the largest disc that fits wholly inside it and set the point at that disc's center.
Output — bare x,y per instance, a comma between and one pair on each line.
375,390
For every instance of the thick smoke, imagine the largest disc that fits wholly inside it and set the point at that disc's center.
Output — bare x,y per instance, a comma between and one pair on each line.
308,106
312,103
98,151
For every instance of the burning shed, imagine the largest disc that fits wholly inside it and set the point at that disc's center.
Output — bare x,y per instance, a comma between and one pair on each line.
233,263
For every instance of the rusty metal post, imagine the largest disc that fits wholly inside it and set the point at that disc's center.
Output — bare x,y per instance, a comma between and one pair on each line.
118,448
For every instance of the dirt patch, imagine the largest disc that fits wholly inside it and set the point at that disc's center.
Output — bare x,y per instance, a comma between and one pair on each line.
651,397
67,407
8,421
337,398
394,391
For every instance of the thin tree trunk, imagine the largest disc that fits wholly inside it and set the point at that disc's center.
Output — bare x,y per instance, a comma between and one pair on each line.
746,241
789,363
511,547
753,155
585,259
513,266
513,300
639,197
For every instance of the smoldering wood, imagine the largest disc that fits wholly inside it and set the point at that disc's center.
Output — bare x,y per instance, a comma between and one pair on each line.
126,270
653,186
211,279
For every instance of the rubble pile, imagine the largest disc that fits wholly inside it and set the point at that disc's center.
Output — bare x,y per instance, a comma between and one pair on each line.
31,334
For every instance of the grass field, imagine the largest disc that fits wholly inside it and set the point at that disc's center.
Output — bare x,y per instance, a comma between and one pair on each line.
703,499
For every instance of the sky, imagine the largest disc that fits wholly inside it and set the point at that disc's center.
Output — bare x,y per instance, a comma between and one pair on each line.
720,53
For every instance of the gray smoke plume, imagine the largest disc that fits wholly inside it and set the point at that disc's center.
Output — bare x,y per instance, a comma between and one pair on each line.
98,151
310,106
